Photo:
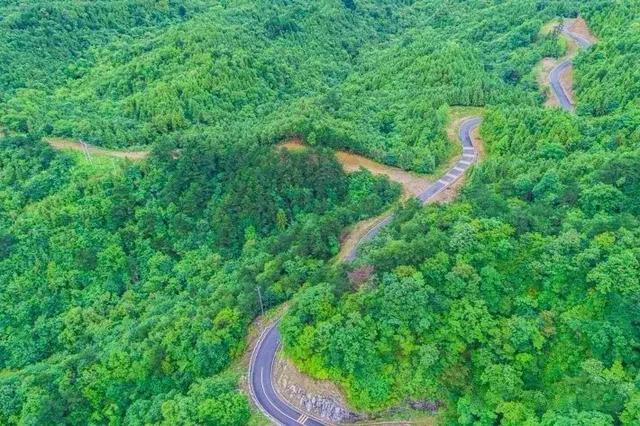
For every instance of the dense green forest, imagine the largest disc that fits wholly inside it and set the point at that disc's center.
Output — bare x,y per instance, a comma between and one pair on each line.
373,78
127,289
126,293
517,304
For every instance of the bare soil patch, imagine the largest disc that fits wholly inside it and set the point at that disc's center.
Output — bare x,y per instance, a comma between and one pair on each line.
59,143
579,26
542,76
412,183
352,236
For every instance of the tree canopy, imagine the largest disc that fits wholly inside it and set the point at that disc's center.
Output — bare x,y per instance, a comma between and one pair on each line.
128,288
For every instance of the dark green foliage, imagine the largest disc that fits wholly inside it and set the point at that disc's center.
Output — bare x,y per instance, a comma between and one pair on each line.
44,42
370,77
126,295
127,289
519,303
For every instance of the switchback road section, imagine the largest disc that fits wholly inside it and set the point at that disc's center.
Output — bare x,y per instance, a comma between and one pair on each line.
556,73
263,357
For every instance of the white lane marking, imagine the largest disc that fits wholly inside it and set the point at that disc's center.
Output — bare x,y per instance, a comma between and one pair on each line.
303,418
267,395
468,156
465,162
254,356
282,399
468,148
460,169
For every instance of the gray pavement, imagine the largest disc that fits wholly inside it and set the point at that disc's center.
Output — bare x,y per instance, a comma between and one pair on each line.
555,74
469,155
263,392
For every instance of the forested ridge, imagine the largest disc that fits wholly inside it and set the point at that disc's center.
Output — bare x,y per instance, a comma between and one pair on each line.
518,303
127,289
326,71
126,295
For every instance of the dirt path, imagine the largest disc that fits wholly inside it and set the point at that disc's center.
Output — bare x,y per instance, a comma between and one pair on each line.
576,26
282,392
413,184
68,144
353,235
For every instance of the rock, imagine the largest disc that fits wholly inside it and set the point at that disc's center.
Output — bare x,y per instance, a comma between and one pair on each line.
431,406
325,408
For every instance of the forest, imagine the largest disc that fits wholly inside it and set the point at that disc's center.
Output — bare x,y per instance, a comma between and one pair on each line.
128,287
276,69
518,303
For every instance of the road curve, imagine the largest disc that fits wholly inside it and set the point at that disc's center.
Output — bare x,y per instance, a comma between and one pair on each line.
261,385
263,392
554,76
469,156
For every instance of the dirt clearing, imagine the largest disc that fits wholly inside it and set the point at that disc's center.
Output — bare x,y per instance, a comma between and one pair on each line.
412,183
62,144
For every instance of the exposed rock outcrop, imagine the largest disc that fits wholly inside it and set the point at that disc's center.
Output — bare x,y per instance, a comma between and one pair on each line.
322,399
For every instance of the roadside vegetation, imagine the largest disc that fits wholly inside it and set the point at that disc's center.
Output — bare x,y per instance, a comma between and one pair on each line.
516,304
370,78
128,286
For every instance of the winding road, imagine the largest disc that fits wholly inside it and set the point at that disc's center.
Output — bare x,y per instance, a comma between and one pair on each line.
469,156
556,73
261,385
263,357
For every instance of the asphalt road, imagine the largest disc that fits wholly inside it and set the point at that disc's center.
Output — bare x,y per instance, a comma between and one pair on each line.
263,356
263,392
556,86
469,156
261,384
558,70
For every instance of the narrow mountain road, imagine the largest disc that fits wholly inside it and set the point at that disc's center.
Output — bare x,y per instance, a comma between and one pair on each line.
558,90
469,156
556,73
261,385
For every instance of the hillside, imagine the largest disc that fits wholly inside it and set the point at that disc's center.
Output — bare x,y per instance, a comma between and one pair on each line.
132,271
373,78
518,303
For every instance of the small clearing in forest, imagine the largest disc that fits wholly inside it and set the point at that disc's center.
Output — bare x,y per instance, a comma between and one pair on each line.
412,183
62,144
